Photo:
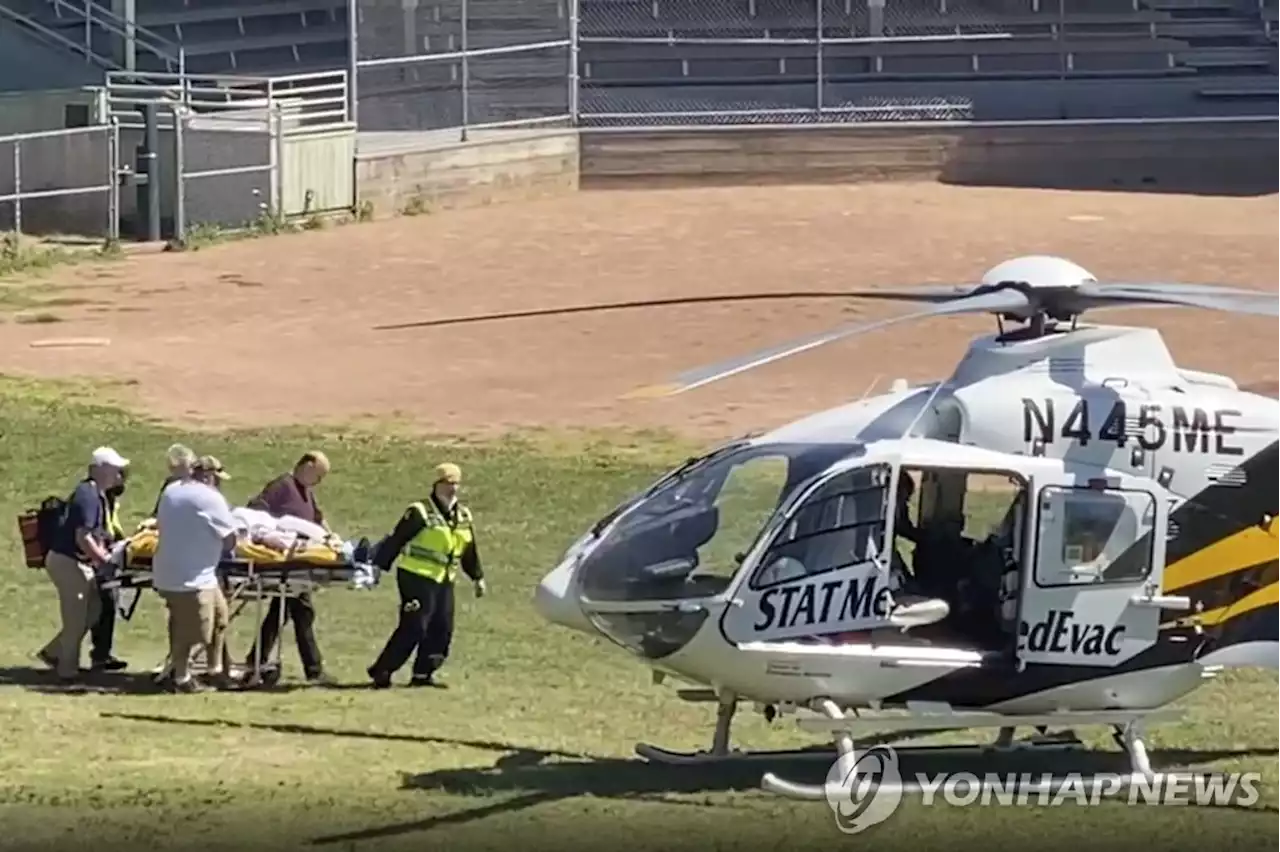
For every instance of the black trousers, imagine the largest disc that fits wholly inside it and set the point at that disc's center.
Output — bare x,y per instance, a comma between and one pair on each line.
302,612
103,632
425,626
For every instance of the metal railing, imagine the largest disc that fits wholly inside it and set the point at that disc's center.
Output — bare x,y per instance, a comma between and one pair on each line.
132,36
312,101
40,171
53,37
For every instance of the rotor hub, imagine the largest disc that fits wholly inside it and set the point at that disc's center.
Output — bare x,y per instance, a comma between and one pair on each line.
1039,272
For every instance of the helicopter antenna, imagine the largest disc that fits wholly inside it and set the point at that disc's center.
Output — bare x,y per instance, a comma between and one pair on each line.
928,402
875,381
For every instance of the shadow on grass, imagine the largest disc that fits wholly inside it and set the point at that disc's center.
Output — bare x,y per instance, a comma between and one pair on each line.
322,731
527,778
534,781
45,681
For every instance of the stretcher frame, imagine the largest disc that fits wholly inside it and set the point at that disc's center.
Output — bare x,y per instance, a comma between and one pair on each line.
243,581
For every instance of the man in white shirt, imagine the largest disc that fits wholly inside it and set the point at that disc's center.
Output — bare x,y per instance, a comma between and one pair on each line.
195,529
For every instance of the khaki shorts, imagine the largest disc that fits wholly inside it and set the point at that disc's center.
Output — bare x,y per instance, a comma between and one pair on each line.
194,616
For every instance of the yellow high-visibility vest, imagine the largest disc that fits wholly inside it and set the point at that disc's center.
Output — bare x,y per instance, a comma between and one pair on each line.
114,527
435,551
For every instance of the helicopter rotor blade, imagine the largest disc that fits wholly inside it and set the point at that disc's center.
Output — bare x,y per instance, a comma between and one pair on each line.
1001,302
1226,299
621,306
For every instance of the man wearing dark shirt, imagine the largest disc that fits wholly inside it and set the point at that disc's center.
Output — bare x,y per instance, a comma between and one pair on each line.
77,551
103,632
431,540
294,494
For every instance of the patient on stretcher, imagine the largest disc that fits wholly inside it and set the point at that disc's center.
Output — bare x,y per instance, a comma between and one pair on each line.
264,540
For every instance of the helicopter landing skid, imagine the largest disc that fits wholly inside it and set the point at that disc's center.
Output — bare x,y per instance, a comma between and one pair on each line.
1127,726
720,750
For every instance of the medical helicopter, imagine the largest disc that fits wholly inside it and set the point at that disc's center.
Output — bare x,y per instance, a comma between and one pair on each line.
1070,529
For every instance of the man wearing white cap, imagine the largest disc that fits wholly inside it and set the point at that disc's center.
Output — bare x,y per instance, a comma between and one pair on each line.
77,551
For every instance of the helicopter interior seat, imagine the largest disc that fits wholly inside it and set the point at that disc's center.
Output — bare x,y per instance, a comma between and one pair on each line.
669,552
953,589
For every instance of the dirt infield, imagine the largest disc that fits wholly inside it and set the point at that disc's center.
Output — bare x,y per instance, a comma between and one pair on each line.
277,331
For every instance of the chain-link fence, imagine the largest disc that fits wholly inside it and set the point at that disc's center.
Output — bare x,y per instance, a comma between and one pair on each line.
688,62
459,66
61,182
226,170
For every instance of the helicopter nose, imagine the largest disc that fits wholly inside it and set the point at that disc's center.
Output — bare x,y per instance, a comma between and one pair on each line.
554,601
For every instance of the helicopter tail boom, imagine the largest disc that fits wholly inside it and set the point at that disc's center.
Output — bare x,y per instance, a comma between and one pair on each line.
1225,554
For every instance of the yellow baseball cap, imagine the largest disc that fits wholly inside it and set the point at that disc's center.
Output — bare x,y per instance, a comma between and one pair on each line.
448,472
211,464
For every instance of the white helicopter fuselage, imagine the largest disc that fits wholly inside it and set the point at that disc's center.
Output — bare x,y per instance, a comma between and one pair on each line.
1100,413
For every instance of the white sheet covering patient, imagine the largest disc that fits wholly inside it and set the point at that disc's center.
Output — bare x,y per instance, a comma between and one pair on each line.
281,534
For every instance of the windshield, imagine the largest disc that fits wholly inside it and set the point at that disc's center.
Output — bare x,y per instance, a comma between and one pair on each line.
686,537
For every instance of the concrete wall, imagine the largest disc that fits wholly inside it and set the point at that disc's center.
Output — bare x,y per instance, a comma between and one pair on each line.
417,170
1228,158
31,112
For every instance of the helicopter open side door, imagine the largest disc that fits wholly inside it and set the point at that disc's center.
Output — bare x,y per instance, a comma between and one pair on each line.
1091,593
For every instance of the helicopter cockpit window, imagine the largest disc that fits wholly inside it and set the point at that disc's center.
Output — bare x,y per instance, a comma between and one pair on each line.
1101,537
841,523
686,538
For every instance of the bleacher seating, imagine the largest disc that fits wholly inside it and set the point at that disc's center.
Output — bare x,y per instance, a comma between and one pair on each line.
965,38
217,36
716,45
251,37
26,62
943,39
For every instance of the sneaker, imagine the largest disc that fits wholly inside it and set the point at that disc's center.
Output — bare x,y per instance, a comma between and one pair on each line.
189,686
48,659
381,680
427,680
110,664
321,679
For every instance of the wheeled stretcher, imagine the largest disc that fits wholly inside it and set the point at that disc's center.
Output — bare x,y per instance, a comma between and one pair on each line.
268,563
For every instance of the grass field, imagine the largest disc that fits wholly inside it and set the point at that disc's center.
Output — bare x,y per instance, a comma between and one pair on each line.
532,745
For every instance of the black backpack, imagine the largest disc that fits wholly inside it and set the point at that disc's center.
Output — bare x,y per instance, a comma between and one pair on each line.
39,527
49,519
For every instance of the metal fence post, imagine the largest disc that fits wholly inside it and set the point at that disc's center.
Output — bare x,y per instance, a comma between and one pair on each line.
822,72
179,185
113,180
353,59
276,125
17,186
466,71
575,83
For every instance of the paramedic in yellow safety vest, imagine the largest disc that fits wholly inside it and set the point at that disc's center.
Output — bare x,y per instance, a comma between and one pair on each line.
102,633
433,539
